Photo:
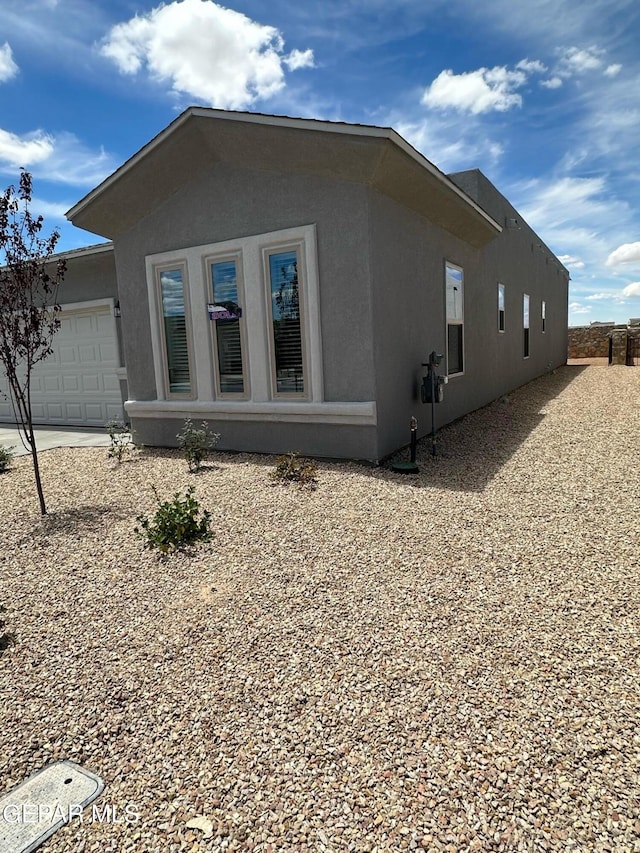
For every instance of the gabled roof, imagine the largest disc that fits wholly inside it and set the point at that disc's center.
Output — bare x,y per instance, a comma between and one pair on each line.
201,137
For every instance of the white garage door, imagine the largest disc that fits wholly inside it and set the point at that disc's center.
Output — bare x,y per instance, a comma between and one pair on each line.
78,384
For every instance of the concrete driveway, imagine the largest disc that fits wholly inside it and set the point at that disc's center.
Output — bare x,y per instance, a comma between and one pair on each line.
48,437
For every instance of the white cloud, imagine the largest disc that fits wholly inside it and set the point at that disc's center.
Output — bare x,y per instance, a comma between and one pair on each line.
62,157
571,262
628,253
479,91
632,289
299,59
552,83
8,67
597,296
613,70
206,51
578,60
579,308
17,151
446,144
531,66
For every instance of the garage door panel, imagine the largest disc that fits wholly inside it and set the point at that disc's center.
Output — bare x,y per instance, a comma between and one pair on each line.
67,354
111,384
91,382
88,354
78,383
108,354
70,384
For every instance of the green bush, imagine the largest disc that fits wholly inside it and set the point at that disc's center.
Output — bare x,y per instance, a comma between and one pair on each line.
121,437
6,455
175,523
196,443
290,468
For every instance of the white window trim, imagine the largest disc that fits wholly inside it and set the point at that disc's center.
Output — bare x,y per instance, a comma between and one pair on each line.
455,323
257,315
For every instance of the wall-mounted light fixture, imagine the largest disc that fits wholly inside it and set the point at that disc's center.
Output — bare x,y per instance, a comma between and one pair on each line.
512,222
116,309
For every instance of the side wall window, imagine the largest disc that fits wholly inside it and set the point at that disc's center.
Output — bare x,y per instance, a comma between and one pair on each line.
544,316
175,333
501,307
454,283
525,324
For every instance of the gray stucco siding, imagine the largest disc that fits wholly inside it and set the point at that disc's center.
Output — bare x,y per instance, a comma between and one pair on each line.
410,316
230,202
331,441
88,277
408,257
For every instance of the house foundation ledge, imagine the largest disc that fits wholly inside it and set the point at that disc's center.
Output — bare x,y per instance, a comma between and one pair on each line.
350,414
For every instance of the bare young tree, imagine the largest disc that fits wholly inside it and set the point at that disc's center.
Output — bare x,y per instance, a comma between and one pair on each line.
29,309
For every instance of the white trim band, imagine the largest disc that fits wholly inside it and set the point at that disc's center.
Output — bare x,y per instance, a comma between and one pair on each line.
350,414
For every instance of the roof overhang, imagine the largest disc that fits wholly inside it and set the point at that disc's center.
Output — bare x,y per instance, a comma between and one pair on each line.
201,138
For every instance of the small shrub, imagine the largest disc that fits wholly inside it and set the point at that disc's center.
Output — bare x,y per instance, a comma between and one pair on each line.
196,443
175,523
121,437
290,468
6,455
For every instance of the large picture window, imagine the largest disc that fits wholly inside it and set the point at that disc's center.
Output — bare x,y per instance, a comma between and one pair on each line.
286,329
227,328
235,325
175,334
454,283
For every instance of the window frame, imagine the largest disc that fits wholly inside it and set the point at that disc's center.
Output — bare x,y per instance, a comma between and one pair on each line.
454,321
163,353
526,325
259,386
502,313
235,255
266,252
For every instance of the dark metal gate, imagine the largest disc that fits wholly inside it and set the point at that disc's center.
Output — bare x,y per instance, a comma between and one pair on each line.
633,350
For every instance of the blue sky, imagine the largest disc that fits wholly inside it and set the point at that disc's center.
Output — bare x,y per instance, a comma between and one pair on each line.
542,95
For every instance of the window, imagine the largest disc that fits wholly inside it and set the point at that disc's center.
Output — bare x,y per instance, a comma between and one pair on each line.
227,331
525,323
286,329
544,316
455,319
501,307
174,327
236,325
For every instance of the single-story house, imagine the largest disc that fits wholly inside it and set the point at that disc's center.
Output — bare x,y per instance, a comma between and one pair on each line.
285,280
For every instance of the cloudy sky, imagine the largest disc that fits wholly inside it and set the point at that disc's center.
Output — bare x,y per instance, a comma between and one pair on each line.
542,95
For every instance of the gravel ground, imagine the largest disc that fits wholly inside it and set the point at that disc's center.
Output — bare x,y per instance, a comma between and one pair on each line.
445,662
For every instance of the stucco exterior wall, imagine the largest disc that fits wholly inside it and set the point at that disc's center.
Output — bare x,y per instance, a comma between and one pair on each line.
228,202
90,276
407,262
